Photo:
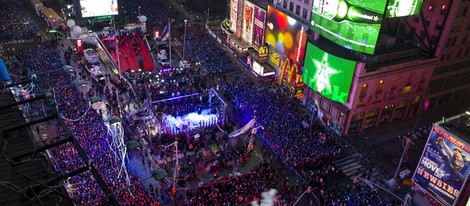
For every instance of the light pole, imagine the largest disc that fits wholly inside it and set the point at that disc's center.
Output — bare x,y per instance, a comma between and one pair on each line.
184,38
139,10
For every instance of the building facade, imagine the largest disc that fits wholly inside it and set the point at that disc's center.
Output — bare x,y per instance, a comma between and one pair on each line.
299,9
444,28
385,95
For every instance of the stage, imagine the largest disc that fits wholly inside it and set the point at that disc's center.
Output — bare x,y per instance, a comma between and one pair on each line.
192,121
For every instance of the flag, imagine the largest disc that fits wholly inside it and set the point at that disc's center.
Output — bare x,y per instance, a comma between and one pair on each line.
166,32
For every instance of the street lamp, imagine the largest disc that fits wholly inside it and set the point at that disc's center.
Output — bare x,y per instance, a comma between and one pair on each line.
184,38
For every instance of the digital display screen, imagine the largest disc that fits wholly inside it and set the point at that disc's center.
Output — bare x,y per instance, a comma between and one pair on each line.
247,31
233,15
329,75
443,167
353,24
92,8
399,8
286,34
258,27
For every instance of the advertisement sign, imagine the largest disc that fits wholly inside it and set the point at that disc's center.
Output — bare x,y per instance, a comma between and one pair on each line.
349,23
79,47
247,31
263,53
274,58
443,167
399,8
329,75
289,71
286,34
92,8
258,28
257,68
233,15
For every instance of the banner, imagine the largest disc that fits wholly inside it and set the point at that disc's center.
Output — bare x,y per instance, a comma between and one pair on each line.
233,15
247,31
258,28
443,167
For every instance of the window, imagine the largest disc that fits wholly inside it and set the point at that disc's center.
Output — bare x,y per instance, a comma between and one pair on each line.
394,87
443,9
363,91
464,39
279,2
373,113
284,5
291,7
438,25
434,39
467,51
464,13
297,10
459,53
306,1
406,90
454,40
380,87
304,13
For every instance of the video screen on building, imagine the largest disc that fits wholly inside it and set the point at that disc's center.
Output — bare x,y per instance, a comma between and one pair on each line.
443,167
399,8
329,75
258,27
286,34
353,24
247,30
92,8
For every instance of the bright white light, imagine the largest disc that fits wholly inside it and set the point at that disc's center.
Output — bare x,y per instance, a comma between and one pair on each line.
291,21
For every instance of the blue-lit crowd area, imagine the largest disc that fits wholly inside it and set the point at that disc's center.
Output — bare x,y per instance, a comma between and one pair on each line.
205,135
16,25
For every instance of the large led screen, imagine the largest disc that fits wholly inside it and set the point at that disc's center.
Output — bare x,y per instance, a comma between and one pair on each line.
233,15
258,27
354,24
247,31
286,34
329,75
92,8
443,167
399,8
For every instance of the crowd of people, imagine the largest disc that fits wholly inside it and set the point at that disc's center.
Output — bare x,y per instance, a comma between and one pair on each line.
89,128
215,61
15,24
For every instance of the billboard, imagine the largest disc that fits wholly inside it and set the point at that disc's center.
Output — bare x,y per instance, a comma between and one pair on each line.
399,8
233,15
349,23
329,75
286,34
443,167
92,8
258,27
247,31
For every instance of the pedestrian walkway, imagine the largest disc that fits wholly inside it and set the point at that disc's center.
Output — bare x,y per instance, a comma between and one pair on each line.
352,166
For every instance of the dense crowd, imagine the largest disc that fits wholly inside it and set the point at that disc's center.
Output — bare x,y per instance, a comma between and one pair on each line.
215,61
15,24
88,127
241,190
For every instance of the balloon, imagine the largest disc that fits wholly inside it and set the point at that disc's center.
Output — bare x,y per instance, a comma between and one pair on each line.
142,18
70,23
76,30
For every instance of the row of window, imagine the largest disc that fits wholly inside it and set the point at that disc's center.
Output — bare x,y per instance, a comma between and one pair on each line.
297,8
379,95
462,52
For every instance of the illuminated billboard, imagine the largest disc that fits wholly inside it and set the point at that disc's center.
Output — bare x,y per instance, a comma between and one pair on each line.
247,31
399,8
233,15
286,34
349,23
258,27
443,167
92,8
329,75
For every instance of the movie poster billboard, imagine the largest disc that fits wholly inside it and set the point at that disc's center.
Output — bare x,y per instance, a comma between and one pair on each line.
247,31
258,27
443,167
286,34
233,15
